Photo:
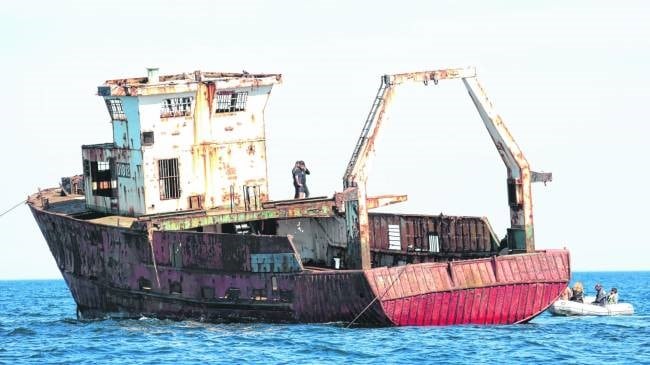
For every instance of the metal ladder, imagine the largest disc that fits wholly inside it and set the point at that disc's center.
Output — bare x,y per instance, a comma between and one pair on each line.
366,128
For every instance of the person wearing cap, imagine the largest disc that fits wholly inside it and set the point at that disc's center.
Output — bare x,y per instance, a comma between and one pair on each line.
601,297
612,298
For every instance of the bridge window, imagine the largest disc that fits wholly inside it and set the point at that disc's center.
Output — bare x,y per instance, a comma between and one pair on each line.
176,107
168,179
115,109
230,101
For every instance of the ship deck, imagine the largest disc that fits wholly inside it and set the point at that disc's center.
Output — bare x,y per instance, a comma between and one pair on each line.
53,200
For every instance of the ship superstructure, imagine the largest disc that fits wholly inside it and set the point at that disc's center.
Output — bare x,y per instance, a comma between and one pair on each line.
180,142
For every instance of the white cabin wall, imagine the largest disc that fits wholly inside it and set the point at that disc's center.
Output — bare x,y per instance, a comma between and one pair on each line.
215,150
172,139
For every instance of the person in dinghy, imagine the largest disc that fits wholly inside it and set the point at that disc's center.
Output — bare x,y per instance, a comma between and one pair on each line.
578,293
601,297
612,298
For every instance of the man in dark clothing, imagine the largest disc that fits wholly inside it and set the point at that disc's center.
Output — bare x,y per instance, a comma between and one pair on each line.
305,172
601,297
297,175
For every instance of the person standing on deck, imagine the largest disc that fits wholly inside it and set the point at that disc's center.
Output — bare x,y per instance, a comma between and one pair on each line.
297,177
299,174
305,172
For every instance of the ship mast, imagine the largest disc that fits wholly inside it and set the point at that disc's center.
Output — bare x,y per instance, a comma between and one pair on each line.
520,234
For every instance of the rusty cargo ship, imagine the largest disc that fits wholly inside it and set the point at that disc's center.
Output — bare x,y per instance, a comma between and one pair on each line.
173,219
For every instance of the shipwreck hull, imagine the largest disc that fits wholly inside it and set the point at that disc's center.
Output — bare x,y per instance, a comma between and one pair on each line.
115,271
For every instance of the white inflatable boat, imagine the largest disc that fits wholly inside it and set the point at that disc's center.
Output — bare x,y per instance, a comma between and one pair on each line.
569,308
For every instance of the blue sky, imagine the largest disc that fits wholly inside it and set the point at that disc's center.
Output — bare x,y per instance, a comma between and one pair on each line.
568,80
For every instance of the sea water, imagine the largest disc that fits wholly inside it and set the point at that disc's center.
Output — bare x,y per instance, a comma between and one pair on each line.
38,325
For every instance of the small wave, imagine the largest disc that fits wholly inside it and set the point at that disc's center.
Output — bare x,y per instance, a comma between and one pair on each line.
21,331
64,320
100,330
69,320
621,325
142,318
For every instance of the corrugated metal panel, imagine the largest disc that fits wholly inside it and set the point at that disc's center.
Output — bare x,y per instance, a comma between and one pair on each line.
339,296
550,266
489,305
455,234
499,290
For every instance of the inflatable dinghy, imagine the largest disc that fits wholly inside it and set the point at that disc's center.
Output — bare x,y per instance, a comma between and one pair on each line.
568,308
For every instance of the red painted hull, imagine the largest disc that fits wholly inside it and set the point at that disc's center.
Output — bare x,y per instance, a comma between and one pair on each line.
490,305
500,290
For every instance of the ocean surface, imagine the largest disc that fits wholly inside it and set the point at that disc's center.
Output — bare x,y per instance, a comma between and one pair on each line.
38,325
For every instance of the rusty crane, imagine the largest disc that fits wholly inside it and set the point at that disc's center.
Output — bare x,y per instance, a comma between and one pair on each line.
520,236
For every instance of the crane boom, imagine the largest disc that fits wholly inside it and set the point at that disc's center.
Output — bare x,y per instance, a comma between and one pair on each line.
365,144
520,234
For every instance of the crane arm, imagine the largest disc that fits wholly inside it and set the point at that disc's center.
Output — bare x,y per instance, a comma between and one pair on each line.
356,171
520,233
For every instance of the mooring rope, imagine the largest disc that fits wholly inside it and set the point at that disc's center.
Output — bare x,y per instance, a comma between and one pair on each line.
14,207
377,297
